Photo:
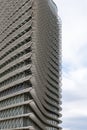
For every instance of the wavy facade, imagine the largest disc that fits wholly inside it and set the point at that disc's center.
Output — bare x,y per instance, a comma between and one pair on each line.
30,88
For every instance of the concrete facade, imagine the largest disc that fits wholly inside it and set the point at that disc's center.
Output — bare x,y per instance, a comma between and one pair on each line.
30,88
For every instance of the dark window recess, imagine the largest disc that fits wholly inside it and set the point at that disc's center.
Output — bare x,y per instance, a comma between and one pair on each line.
13,68
16,88
52,92
28,50
53,72
12,79
28,72
51,111
27,108
16,37
13,89
28,39
53,79
15,57
28,29
16,19
55,101
51,106
56,69
53,60
15,47
28,61
27,83
28,96
52,85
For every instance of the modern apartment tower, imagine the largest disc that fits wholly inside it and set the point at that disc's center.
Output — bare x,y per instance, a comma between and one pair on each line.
30,88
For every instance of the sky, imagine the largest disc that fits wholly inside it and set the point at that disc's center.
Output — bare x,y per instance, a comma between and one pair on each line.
73,14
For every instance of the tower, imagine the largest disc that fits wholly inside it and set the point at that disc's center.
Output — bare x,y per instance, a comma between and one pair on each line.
29,65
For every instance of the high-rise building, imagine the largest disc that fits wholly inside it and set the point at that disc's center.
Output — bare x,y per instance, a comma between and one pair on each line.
29,65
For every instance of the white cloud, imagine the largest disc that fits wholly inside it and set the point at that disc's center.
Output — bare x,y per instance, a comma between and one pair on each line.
75,109
66,129
75,94
75,82
74,32
74,45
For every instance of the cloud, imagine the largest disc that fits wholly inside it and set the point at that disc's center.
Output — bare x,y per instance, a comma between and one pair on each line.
66,129
76,123
75,81
74,19
74,46
75,99
75,93
75,109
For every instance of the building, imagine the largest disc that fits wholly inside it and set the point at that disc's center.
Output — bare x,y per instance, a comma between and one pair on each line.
29,65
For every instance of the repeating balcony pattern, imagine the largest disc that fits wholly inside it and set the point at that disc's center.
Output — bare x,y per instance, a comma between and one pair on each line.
30,71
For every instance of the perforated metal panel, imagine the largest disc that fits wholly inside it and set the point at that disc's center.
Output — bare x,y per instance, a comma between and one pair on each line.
29,65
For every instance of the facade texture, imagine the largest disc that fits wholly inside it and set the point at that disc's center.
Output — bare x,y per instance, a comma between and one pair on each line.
29,65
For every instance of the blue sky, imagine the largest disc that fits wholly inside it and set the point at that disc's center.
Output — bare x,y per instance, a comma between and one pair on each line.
74,79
